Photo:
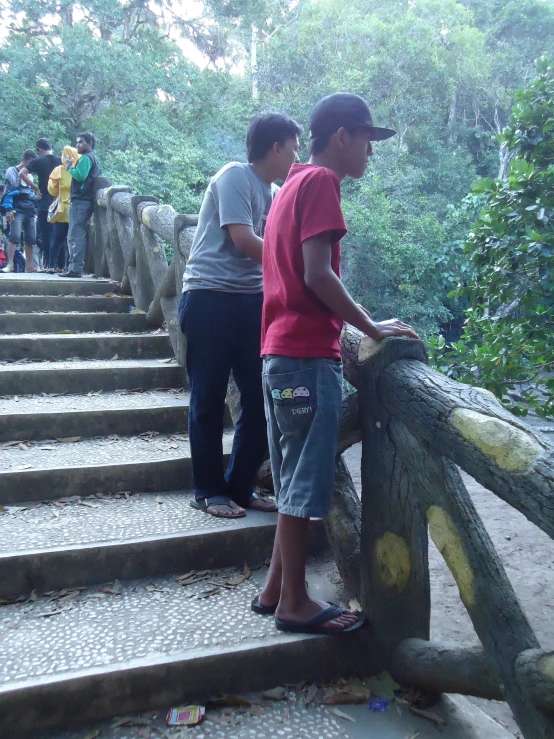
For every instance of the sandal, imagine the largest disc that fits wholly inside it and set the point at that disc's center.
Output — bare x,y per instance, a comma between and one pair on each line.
257,607
258,496
205,503
316,624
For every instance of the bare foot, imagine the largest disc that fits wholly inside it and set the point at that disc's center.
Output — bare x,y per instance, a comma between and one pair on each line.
262,504
310,609
226,511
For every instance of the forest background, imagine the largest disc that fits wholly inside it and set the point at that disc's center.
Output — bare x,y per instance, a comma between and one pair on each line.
168,89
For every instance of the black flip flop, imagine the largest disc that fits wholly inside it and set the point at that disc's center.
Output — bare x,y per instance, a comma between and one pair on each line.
315,624
257,607
205,503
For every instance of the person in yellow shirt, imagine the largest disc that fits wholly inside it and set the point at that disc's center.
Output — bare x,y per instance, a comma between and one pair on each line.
59,185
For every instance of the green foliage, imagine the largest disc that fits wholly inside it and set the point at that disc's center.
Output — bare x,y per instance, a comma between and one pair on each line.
508,340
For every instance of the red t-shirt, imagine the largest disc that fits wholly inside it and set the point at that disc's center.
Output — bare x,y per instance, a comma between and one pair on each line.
295,323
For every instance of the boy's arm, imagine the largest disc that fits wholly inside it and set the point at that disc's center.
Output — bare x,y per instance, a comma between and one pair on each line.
246,240
81,171
320,278
24,175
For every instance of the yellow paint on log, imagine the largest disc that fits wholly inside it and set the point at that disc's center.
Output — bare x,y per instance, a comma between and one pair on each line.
450,545
392,558
509,447
546,667
368,348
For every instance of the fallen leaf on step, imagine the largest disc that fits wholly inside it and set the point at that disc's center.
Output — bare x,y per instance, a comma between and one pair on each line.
8,444
115,356
22,467
209,593
428,715
66,331
166,361
114,589
311,694
228,700
46,448
137,310
341,714
68,439
349,695
110,295
159,499
247,572
256,711
353,605
275,694
92,734
131,721
412,735
383,685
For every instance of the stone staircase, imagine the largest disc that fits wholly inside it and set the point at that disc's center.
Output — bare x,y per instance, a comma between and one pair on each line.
96,524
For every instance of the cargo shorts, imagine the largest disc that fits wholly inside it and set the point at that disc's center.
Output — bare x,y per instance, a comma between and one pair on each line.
303,400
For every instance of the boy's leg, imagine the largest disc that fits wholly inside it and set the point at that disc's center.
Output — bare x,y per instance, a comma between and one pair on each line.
205,318
250,440
30,240
306,400
79,216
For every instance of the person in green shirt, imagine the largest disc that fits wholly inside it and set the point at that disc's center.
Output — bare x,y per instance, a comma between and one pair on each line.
83,175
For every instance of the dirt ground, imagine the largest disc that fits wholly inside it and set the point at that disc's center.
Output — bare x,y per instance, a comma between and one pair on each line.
527,554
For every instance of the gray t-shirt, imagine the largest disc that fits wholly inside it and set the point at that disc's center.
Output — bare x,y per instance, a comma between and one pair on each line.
236,194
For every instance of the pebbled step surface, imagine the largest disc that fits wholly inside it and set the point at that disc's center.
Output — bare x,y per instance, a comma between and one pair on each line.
37,526
50,454
23,323
149,619
81,376
42,284
65,303
117,399
102,345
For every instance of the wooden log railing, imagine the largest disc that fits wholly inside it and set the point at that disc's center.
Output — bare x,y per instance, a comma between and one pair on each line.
417,428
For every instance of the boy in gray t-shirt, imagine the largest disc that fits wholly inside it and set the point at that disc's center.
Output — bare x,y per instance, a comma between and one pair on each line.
220,315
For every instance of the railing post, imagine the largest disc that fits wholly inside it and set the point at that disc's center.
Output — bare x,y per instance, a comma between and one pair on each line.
97,234
394,569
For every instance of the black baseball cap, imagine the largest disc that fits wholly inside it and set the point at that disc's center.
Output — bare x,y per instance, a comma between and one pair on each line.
345,110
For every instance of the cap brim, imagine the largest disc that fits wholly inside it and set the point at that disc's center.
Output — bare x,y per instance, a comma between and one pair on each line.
380,134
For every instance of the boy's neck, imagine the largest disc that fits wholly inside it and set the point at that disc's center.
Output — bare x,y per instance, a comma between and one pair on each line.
328,159
264,171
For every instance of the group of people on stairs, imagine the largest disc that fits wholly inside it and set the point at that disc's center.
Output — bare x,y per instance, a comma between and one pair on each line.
60,204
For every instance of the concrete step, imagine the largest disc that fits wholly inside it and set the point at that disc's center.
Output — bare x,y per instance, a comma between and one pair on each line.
41,284
156,643
55,469
65,303
121,412
53,347
84,541
44,323
88,375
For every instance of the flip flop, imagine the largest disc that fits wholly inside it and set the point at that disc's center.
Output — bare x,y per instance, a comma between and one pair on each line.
205,503
257,496
316,624
257,607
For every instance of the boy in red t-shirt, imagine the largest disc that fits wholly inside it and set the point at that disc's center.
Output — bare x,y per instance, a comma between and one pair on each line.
305,305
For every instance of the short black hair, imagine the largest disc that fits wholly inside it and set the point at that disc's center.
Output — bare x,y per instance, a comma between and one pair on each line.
43,144
28,154
319,144
266,129
88,137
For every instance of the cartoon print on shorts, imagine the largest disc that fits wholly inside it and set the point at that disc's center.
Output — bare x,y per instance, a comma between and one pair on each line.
290,396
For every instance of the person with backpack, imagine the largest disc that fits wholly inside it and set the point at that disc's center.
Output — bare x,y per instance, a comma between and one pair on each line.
42,166
83,175
18,204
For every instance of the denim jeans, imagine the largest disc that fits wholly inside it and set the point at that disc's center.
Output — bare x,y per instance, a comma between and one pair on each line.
223,335
303,401
80,212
